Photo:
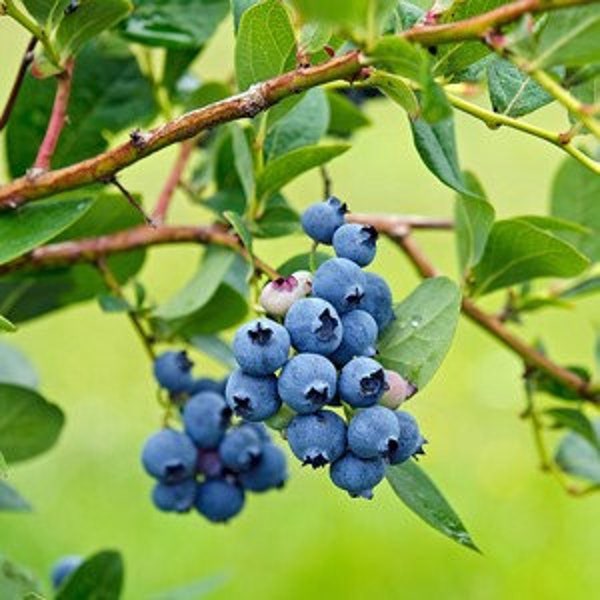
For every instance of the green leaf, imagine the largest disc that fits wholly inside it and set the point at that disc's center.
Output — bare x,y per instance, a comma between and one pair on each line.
100,577
265,44
574,420
474,217
517,251
109,93
549,385
395,54
344,116
194,590
29,425
16,368
176,64
301,262
16,582
410,14
435,106
240,227
304,124
243,161
277,219
113,304
436,145
576,456
177,24
215,347
574,196
6,325
3,467
420,494
512,92
40,9
207,93
216,262
417,341
33,224
90,19
582,288
11,500
569,37
396,89
314,36
239,7
284,169
554,224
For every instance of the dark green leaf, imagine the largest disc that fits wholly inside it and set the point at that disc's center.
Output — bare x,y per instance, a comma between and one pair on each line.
284,169
40,9
29,425
410,14
345,118
16,368
11,500
395,54
576,456
240,227
554,224
517,251
575,194
242,157
265,44
32,225
582,288
100,577
3,467
239,7
113,304
574,420
397,90
109,93
549,385
6,325
417,341
421,495
177,62
16,582
473,217
215,347
175,23
301,262
90,19
512,92
277,219
435,106
436,145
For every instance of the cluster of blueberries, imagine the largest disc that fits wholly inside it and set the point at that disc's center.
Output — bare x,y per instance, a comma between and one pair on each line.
213,461
332,320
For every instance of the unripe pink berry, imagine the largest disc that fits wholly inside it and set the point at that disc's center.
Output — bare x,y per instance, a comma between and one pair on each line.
278,296
399,390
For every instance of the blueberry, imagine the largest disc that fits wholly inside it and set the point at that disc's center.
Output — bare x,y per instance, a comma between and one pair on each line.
321,220
210,463
261,347
174,497
169,456
357,243
314,326
362,382
205,384
173,371
358,476
307,383
206,417
63,568
219,500
359,339
252,398
373,432
399,390
378,300
240,449
270,471
261,431
410,442
278,296
341,282
317,439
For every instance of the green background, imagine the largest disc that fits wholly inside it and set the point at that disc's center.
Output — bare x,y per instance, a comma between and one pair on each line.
311,540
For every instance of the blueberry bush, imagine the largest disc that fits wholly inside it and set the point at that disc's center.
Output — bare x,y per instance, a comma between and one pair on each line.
323,363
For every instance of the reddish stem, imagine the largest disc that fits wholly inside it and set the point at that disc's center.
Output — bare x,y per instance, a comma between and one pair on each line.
58,118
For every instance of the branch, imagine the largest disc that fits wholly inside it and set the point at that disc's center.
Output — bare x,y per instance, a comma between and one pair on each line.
16,88
58,118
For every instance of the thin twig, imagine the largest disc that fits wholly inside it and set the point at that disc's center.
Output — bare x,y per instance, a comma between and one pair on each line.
131,199
326,179
19,79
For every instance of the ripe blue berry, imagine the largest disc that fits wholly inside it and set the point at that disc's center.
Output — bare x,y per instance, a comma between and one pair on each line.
307,383
270,471
399,390
206,417
169,456
321,220
373,432
174,497
261,431
341,282
173,371
252,398
359,339
357,243
358,476
219,500
314,326
205,384
261,347
278,296
317,439
240,449
410,441
210,463
378,300
362,382
63,568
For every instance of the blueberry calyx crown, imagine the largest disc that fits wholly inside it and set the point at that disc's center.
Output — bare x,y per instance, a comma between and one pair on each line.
373,383
317,393
242,405
340,206
260,335
183,362
316,461
285,284
355,297
370,235
328,324
174,471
